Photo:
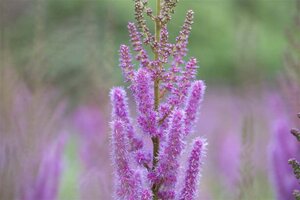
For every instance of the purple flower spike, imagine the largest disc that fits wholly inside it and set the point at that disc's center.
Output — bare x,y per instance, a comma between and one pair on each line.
121,111
126,63
128,182
193,104
137,45
192,174
145,102
168,167
135,37
182,40
188,75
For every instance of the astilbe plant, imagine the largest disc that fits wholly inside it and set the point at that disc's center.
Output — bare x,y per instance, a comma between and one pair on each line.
168,99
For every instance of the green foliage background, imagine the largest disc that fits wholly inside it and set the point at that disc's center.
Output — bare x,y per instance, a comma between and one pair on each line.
230,38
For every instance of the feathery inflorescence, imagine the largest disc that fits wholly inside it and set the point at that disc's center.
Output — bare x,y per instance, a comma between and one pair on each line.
168,100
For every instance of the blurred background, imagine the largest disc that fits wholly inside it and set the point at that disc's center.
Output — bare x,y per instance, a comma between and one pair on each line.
59,59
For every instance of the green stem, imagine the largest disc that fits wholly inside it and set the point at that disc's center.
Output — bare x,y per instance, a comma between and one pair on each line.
155,140
157,39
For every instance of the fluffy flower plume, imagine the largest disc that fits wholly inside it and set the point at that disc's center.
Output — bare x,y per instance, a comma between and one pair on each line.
121,112
193,104
168,166
168,99
145,102
191,180
127,181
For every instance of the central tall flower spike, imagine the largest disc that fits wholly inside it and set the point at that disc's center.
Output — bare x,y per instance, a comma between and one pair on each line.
168,100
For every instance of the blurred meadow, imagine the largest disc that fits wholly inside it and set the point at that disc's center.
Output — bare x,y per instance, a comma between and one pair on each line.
59,59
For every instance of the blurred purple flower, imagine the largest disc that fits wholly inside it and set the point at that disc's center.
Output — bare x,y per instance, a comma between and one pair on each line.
46,184
283,146
224,134
229,158
195,160
88,120
29,161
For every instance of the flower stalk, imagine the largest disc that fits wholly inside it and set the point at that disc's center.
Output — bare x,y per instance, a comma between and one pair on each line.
155,140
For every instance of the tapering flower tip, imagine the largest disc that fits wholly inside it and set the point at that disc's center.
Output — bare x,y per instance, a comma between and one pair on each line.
47,182
119,100
137,44
126,63
193,102
145,102
121,111
192,173
126,183
182,39
187,25
168,167
134,37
